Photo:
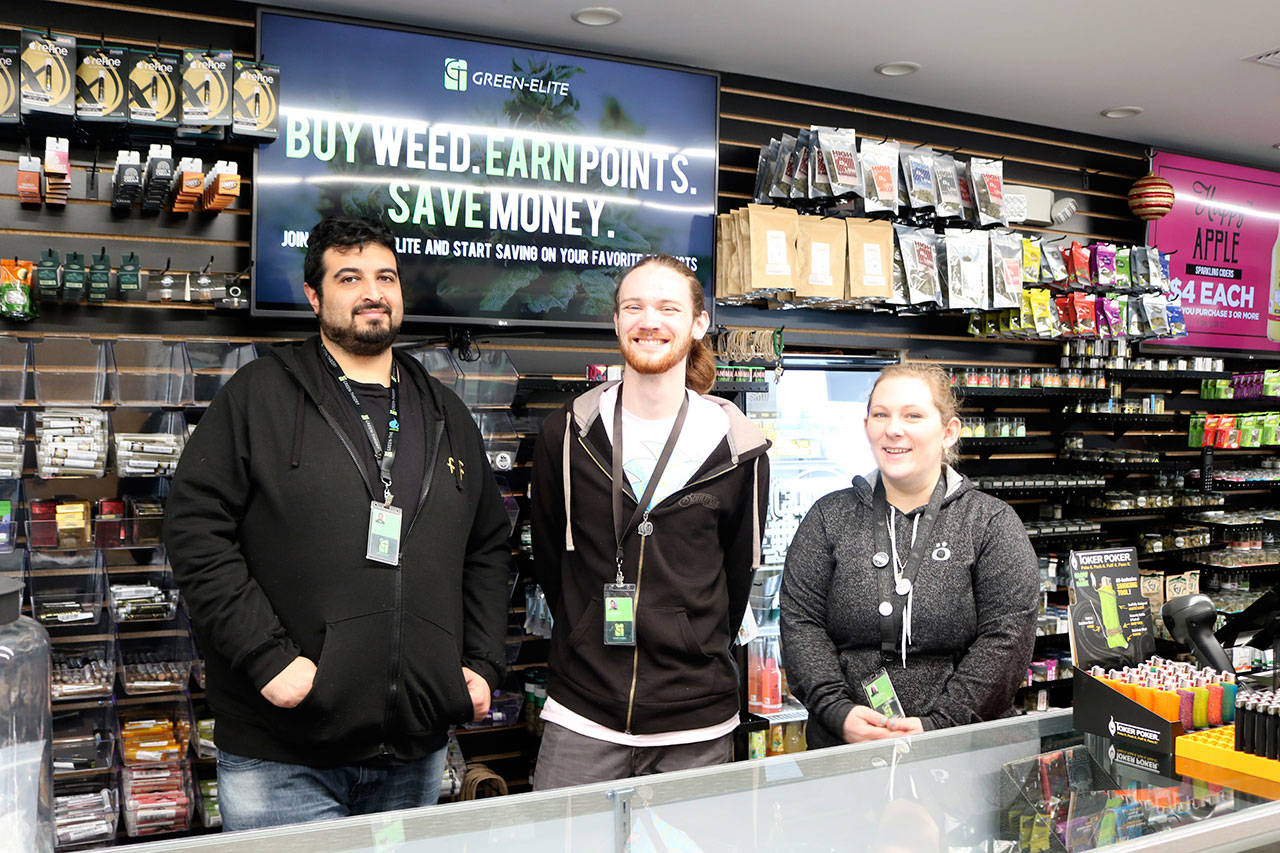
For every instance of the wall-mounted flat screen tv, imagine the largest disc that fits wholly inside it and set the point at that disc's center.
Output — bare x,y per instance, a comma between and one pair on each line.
518,180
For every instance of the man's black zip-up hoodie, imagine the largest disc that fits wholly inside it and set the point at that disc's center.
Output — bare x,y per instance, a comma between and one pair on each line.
693,574
266,527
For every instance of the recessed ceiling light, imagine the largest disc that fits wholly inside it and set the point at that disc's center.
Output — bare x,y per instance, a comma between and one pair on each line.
1121,112
898,69
596,16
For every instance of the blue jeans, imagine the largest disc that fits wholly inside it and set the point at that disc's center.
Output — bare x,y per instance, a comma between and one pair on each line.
254,793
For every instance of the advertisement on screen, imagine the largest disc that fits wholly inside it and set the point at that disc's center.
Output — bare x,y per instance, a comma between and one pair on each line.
518,181
1225,231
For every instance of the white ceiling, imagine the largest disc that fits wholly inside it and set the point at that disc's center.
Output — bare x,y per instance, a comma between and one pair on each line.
1055,64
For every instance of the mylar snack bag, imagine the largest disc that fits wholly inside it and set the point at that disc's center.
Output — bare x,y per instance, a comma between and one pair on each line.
1006,269
840,157
987,177
917,169
879,164
946,180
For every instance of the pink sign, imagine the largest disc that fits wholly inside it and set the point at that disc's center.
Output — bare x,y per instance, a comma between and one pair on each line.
1225,228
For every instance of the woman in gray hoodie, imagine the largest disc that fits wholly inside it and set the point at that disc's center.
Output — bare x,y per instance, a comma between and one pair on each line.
911,569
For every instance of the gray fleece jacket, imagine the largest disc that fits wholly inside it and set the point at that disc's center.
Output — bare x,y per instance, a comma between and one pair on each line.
974,610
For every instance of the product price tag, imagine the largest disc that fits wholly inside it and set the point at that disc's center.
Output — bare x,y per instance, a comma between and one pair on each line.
620,614
881,695
384,534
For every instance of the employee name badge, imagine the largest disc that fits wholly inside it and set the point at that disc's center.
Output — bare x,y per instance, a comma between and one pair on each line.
619,614
384,534
880,694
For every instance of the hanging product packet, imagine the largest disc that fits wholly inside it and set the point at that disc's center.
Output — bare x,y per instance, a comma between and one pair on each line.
1026,313
1084,314
1102,264
1062,309
1159,266
917,169
919,264
900,295
1078,265
819,178
946,182
871,267
1135,320
840,157
1111,317
1030,261
1006,269
1140,267
967,269
1156,310
820,250
764,171
1122,267
879,164
1165,260
800,173
987,177
780,185
1053,269
1177,322
1043,316
722,255
968,209
16,299
1271,428
742,238
773,247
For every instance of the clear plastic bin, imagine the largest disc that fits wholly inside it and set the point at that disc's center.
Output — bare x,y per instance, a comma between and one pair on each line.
164,809
151,372
84,738
212,364
149,595
85,814
10,498
14,357
66,588
83,661
69,371
147,442
71,443
438,362
490,380
155,661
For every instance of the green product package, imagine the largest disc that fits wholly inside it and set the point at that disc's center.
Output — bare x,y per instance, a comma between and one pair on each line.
1110,615
1271,429
129,275
74,275
1195,432
1122,268
99,278
47,274
1250,431
1271,383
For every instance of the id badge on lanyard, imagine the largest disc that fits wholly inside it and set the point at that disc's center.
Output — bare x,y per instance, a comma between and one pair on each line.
384,533
619,614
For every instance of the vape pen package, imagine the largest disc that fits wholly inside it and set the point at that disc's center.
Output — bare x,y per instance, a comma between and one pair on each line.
153,88
8,84
46,73
206,87
101,84
255,100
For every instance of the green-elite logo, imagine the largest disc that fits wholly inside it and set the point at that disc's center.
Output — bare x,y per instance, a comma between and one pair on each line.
455,75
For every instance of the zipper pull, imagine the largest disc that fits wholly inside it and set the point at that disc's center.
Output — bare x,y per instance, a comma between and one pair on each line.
645,527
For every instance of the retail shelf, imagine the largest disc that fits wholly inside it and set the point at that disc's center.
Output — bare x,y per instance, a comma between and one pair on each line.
1042,685
722,387
1153,556
1195,518
1167,377
1118,419
1094,514
1229,405
1030,393
1046,489
792,712
1211,567
532,384
996,442
1129,467
1220,484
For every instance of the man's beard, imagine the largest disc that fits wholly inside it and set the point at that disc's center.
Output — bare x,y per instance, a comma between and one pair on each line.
358,340
656,363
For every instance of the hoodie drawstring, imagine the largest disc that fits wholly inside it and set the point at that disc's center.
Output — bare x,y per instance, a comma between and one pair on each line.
568,518
296,459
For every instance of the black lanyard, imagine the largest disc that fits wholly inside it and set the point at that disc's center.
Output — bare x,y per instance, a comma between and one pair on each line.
892,598
645,527
385,457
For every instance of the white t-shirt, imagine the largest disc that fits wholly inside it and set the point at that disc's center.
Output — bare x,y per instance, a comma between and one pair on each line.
705,425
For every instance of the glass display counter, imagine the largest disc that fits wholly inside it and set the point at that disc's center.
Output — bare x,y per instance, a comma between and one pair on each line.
976,788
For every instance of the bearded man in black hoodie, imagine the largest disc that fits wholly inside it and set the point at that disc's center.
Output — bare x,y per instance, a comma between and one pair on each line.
341,545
